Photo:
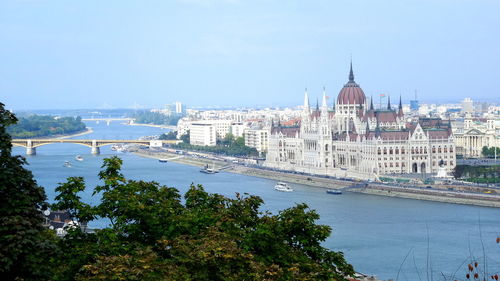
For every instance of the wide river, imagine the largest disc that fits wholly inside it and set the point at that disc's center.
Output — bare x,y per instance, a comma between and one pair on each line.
375,233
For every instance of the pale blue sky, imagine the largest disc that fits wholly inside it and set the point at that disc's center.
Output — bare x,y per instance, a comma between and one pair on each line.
87,54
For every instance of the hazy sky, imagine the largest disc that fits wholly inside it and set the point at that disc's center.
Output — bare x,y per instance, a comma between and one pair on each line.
94,54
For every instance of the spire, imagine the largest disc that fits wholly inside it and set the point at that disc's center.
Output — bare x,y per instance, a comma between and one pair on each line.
400,112
351,74
389,102
306,101
371,103
324,104
367,130
377,129
317,104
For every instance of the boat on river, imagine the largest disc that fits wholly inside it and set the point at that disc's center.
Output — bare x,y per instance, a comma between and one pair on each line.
208,170
283,187
163,160
334,191
67,164
79,158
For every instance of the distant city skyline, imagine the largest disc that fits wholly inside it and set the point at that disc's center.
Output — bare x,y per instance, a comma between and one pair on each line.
234,53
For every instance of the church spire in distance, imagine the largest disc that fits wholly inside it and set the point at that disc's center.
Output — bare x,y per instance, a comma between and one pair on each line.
351,74
389,102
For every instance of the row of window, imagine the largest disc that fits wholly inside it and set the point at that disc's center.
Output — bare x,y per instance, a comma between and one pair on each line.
414,150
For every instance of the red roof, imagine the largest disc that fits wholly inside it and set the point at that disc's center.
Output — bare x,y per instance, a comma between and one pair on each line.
286,131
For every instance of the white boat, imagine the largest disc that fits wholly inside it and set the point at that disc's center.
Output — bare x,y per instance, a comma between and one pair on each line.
67,164
79,158
208,170
283,187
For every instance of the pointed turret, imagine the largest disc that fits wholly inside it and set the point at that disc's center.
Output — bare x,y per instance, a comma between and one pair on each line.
400,111
367,130
351,74
371,103
377,129
306,101
389,103
323,103
317,104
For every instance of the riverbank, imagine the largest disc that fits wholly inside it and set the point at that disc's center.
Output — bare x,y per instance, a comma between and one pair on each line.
170,127
437,195
86,132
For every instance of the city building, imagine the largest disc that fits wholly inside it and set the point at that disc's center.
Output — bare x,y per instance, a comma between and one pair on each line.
471,135
467,106
202,133
257,138
356,140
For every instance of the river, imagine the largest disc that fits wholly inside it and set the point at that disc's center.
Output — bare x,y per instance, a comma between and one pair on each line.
375,233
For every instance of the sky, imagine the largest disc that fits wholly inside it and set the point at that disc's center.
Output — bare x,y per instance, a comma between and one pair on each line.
120,54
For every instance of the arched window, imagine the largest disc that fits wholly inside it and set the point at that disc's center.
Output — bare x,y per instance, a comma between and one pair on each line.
439,149
390,150
379,151
445,149
385,150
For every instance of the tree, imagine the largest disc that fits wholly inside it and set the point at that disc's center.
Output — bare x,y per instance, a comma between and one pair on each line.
24,243
172,135
154,235
186,137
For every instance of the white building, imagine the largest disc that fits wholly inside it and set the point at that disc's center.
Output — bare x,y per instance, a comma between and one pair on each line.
202,133
355,140
257,138
238,129
471,135
467,106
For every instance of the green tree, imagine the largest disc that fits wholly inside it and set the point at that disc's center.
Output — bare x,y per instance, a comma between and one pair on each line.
154,235
25,244
172,135
186,138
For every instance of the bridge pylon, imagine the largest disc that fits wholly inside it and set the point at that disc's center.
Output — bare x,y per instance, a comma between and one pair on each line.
30,150
95,149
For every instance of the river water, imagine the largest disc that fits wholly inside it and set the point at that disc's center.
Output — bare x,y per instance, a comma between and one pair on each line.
375,233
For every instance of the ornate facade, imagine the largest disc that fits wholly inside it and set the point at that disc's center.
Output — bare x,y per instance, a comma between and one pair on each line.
353,139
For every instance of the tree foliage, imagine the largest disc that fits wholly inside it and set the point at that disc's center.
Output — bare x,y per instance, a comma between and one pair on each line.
156,118
44,125
490,151
154,235
24,243
229,145
172,135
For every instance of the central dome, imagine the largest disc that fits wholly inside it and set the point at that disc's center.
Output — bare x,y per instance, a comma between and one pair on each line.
351,93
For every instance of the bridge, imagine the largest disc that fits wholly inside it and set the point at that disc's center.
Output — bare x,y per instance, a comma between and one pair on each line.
32,144
108,120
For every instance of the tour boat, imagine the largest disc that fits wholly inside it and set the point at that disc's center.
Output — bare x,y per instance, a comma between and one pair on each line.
208,170
334,191
163,160
283,187
67,164
79,158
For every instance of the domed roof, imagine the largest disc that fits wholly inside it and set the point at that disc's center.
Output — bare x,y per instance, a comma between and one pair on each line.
351,93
